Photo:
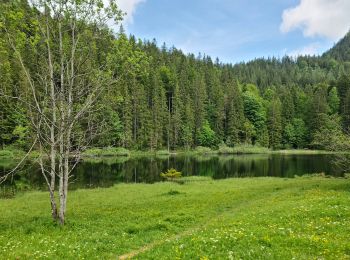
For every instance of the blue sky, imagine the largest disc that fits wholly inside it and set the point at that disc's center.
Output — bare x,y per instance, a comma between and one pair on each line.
240,30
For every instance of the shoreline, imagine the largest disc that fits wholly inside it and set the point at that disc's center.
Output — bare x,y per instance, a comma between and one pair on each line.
13,154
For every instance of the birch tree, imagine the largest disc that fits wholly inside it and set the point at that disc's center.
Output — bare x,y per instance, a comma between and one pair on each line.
68,71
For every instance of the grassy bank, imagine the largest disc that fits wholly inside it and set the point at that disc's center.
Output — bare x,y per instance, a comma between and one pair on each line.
106,152
306,152
13,153
264,218
243,149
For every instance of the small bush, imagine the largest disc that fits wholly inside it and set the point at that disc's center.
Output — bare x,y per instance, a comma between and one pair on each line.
171,174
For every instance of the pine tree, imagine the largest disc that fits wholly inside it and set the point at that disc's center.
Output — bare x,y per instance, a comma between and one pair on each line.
346,110
333,100
158,109
234,114
318,107
216,99
255,112
199,102
274,122
187,129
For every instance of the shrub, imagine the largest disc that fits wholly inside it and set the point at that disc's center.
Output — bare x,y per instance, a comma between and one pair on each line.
171,174
207,136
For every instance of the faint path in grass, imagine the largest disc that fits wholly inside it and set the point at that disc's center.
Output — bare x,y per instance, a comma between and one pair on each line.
188,232
242,205
157,243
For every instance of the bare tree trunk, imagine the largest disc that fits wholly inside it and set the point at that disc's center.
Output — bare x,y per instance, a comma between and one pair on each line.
52,128
62,129
62,199
63,204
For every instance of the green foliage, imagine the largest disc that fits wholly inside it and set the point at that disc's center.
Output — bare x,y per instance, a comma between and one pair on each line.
249,132
263,137
254,109
164,98
203,150
250,149
6,154
333,100
20,133
171,174
274,122
187,127
163,152
224,149
255,112
243,149
11,152
330,135
343,85
207,136
234,108
339,52
109,151
295,133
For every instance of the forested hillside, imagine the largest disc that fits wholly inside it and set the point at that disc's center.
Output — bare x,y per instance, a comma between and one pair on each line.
164,98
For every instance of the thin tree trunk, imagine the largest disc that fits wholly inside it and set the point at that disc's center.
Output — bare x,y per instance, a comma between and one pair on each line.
62,131
52,128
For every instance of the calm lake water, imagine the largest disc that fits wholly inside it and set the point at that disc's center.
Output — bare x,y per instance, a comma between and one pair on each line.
107,172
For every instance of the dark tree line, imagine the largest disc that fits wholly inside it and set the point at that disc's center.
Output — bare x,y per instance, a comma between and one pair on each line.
164,98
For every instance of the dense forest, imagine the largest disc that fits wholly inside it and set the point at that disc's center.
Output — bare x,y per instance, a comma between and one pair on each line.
165,98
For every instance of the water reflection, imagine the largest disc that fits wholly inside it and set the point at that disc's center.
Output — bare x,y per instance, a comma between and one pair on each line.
92,173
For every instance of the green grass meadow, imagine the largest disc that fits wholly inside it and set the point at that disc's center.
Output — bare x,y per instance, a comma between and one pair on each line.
253,218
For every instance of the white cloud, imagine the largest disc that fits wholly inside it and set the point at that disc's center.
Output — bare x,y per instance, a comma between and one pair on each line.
129,6
327,18
311,49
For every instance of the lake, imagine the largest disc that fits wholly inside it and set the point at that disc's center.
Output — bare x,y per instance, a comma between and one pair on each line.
93,173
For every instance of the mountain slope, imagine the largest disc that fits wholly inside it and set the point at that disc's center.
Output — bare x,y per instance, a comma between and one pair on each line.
302,71
340,51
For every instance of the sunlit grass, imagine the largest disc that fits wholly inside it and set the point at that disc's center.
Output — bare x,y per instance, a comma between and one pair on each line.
238,218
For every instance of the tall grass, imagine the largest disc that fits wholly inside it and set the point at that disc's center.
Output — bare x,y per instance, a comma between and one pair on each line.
106,152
